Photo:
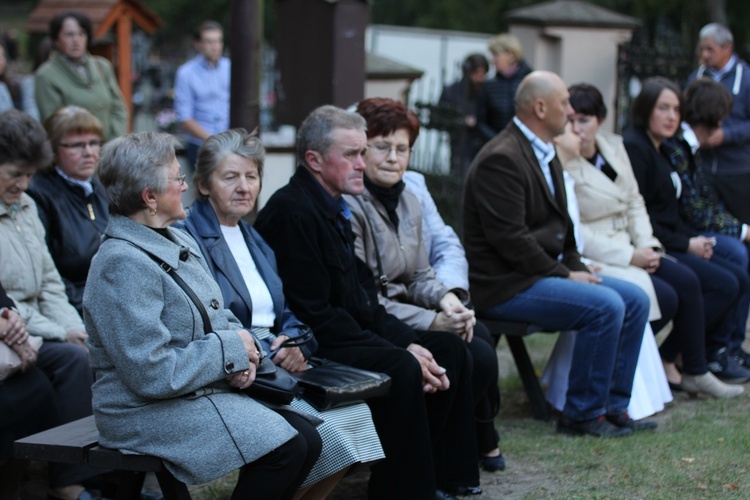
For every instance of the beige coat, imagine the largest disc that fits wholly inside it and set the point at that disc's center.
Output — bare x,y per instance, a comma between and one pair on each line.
29,275
614,221
414,292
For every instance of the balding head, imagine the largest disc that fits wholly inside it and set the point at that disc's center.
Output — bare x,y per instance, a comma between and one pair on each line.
542,104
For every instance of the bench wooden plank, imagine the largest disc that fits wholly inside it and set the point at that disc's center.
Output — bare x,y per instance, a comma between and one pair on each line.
77,443
68,443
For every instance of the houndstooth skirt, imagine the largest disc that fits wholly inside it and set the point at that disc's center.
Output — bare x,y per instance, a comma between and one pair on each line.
349,439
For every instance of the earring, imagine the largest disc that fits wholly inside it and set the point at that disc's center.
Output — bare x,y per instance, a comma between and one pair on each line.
152,212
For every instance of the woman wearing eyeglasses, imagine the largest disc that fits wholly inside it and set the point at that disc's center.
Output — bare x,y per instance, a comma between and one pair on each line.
387,222
71,201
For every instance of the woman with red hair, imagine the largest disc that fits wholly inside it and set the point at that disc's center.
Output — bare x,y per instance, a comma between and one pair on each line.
387,220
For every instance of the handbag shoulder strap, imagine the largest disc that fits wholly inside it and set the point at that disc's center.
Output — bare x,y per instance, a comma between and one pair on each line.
185,287
382,278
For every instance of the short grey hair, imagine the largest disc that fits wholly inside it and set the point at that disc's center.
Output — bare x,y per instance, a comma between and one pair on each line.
718,32
315,132
235,141
132,163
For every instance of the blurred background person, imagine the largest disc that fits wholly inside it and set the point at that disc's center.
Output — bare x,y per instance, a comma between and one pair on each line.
74,76
13,94
71,201
460,100
726,149
201,90
496,105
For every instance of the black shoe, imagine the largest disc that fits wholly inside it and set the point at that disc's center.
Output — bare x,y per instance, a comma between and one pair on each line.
598,427
675,387
727,367
444,495
492,464
743,357
624,420
463,491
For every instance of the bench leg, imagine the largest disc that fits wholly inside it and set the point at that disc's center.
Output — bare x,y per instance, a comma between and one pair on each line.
528,377
130,485
171,488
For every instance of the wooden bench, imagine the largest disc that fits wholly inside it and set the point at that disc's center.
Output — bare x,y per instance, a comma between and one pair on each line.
78,443
515,332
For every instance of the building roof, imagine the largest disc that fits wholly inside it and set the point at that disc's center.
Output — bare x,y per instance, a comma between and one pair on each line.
103,14
382,68
570,13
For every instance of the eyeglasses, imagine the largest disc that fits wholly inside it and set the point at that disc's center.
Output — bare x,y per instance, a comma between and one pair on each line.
180,179
382,149
81,146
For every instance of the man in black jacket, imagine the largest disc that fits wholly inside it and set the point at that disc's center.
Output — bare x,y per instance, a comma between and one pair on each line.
426,422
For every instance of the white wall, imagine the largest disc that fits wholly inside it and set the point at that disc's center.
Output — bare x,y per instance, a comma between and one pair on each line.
578,55
277,170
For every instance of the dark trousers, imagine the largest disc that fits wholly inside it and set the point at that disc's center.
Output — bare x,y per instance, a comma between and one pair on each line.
67,368
732,255
721,291
279,473
424,436
678,291
484,384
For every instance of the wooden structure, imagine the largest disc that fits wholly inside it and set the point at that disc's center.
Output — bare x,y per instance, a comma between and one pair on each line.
577,40
321,54
105,15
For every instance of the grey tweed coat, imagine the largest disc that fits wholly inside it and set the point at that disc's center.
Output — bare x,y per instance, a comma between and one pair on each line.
160,386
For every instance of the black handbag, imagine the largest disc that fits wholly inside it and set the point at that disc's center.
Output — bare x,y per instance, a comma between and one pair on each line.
328,384
272,383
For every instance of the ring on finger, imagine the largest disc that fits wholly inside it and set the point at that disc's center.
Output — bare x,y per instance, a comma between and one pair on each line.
246,373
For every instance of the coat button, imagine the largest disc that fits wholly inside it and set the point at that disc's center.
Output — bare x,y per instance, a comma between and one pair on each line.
559,236
230,367
214,303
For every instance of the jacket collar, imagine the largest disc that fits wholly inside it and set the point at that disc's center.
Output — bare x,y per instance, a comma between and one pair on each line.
531,159
208,229
135,233
324,201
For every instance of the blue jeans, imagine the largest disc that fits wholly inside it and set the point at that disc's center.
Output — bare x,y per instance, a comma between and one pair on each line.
610,319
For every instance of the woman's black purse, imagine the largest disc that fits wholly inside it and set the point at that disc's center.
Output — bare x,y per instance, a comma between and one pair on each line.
328,384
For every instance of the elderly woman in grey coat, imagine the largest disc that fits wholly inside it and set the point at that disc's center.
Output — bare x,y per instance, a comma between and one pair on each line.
164,387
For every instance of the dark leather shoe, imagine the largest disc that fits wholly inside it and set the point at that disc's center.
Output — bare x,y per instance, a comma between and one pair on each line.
444,495
742,357
727,367
624,420
492,464
598,427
